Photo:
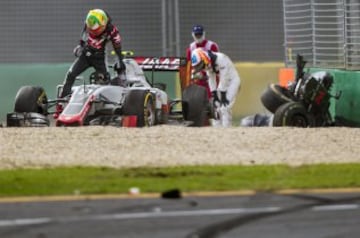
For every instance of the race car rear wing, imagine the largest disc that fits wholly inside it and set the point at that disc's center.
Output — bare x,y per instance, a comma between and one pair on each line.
177,64
160,63
163,63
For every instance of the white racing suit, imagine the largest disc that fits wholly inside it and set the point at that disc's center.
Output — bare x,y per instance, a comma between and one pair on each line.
229,82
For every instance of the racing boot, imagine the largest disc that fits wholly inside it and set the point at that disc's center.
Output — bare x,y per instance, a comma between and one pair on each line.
59,109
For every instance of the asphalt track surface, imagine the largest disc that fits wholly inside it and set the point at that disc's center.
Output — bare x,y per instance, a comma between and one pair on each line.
257,215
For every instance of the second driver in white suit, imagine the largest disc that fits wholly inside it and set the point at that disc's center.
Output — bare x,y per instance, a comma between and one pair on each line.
224,94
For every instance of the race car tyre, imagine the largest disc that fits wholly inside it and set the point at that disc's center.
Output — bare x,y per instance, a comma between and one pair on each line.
140,103
293,114
31,99
195,105
274,96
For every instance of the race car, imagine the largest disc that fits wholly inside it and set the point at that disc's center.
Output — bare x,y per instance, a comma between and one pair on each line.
304,103
125,100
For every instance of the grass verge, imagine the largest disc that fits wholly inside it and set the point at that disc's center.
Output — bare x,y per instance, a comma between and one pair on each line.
89,180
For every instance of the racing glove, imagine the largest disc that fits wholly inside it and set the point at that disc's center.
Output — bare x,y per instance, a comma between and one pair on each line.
215,98
120,66
223,100
78,50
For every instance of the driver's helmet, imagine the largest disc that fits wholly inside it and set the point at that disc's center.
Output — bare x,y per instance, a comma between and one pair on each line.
96,21
199,60
328,80
325,78
198,33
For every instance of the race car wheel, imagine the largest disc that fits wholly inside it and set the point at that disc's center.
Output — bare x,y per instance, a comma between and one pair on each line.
195,105
274,96
140,103
31,99
293,114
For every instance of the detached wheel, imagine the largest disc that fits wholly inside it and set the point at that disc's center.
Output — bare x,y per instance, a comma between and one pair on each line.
140,103
293,114
274,96
31,99
195,105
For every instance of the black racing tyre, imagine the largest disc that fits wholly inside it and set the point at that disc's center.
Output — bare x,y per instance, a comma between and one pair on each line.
31,99
274,96
195,105
293,114
140,103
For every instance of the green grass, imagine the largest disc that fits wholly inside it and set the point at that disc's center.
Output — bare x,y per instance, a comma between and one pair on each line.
89,180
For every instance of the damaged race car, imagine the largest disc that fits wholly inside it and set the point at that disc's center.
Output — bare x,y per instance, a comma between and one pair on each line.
304,103
129,100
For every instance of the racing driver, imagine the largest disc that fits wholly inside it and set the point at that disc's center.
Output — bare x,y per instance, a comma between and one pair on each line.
97,31
224,94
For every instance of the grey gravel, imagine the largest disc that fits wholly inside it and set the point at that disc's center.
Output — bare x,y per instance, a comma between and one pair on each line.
175,145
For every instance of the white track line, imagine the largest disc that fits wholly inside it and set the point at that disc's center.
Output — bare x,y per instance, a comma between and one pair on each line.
157,213
25,221
121,216
336,207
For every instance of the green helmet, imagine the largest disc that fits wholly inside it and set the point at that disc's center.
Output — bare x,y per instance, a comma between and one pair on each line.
96,21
